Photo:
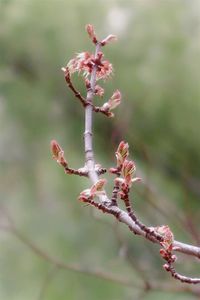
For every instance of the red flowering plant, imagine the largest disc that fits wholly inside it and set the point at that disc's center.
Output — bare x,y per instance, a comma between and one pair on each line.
93,67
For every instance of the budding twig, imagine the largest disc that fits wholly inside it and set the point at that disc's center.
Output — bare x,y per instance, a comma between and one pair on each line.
115,193
169,268
94,66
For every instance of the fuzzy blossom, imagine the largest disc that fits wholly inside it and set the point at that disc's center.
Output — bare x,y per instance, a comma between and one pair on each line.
85,62
122,153
128,169
104,70
99,91
168,237
90,30
112,103
58,153
110,38
96,190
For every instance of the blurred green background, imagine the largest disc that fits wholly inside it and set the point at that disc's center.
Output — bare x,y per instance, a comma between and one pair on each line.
157,69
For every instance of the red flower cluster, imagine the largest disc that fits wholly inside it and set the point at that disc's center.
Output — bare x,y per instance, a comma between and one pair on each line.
84,62
99,91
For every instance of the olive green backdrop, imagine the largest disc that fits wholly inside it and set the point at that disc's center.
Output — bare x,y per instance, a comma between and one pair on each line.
157,69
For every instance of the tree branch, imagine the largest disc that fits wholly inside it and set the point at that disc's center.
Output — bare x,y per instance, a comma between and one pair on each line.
93,65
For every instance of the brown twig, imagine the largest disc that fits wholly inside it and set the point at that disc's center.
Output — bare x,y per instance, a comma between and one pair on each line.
169,268
97,109
115,194
72,88
149,232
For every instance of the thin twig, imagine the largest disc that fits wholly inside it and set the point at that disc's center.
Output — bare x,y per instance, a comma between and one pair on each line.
71,86
180,277
69,266
50,274
89,272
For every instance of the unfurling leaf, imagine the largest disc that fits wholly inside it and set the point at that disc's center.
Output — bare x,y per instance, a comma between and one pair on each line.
110,38
58,153
122,153
90,30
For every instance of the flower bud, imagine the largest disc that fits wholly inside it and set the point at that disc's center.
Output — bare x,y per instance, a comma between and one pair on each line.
99,91
115,100
90,30
55,149
58,153
84,195
166,267
110,38
168,237
112,103
122,153
128,169
97,188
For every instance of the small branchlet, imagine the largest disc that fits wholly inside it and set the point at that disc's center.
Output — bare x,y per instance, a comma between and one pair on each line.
115,193
58,155
71,86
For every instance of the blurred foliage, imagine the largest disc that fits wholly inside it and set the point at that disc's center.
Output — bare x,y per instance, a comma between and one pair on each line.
156,61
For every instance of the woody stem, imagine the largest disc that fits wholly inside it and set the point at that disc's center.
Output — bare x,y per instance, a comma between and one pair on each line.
89,154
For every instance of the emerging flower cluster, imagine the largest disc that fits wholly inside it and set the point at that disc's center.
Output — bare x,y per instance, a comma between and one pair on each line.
84,62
